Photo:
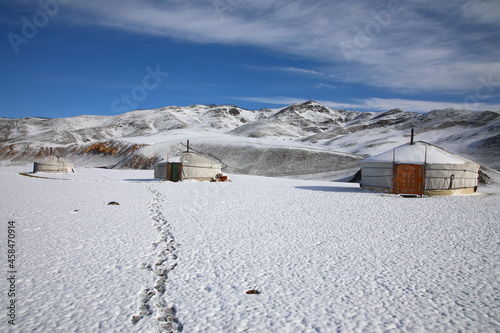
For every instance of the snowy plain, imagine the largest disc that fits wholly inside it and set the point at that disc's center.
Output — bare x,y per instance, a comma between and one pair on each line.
324,256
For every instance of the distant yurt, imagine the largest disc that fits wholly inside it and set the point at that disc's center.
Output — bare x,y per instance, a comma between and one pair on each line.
54,164
191,166
419,169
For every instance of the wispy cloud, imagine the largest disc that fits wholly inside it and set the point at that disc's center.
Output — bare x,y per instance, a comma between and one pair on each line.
420,106
271,100
300,71
322,85
376,104
419,45
482,11
291,70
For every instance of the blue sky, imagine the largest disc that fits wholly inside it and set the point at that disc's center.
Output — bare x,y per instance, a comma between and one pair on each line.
63,58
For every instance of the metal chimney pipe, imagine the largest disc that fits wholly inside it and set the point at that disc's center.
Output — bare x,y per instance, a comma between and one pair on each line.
412,134
188,146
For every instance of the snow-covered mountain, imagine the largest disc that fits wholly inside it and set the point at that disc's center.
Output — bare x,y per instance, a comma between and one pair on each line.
298,140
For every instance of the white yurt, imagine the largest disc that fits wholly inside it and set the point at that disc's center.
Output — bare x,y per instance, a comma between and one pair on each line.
419,169
54,164
190,166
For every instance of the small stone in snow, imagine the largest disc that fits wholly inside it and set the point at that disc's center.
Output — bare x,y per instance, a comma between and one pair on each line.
253,291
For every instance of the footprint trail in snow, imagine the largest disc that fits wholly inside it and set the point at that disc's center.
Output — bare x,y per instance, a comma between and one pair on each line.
150,299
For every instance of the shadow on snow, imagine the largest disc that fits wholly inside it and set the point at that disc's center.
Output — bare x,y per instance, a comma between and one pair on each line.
331,189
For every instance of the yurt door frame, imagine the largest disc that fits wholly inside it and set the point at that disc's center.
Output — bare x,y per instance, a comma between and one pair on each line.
408,179
174,172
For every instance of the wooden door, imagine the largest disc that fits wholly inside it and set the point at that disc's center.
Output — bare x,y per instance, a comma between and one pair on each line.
174,171
409,179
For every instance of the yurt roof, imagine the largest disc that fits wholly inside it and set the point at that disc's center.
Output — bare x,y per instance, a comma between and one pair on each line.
54,160
193,159
189,158
416,153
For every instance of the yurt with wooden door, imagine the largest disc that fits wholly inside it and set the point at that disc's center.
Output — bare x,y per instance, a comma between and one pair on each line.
190,166
54,164
419,168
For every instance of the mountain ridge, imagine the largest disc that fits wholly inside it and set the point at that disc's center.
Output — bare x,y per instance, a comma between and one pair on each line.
474,135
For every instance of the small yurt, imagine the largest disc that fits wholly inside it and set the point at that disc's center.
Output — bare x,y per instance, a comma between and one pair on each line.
54,164
190,166
419,168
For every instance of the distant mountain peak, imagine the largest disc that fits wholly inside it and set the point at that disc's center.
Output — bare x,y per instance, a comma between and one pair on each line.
304,107
396,110
311,102
472,134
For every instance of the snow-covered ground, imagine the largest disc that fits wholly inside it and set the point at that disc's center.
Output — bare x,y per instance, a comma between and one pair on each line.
325,257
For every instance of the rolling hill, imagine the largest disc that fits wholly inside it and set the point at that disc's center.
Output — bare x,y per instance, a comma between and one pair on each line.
306,140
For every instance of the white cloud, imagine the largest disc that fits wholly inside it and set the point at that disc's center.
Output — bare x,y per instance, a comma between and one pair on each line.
300,71
272,100
325,86
487,12
291,70
422,106
426,106
381,104
393,44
